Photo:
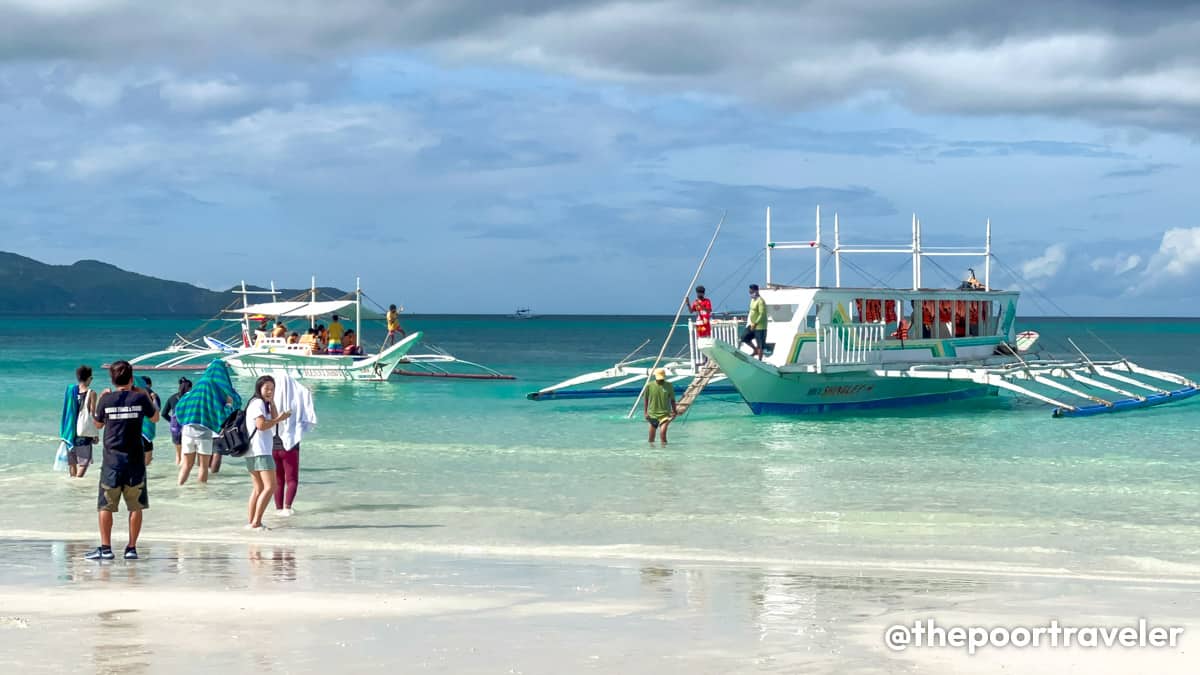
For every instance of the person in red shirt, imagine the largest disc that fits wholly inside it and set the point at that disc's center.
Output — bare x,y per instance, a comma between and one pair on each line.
702,308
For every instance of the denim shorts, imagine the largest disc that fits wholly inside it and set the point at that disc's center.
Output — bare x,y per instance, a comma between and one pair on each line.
260,463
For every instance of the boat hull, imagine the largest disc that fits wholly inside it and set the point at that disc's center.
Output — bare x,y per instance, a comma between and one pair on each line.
769,391
313,367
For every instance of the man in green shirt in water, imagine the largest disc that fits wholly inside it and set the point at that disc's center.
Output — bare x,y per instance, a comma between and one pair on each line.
756,323
659,405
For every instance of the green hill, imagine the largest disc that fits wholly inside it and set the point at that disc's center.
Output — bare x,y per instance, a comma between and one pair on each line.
94,287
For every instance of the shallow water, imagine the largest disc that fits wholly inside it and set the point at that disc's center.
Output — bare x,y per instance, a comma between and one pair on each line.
473,469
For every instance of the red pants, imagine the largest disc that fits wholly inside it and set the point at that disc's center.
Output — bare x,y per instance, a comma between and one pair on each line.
287,476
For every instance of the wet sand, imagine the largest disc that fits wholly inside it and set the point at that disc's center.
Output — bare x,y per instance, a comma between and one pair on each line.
257,606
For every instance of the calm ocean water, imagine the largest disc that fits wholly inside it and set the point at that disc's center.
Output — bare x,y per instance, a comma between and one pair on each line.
460,467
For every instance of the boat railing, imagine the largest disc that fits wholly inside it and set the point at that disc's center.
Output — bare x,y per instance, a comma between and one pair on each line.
849,344
722,330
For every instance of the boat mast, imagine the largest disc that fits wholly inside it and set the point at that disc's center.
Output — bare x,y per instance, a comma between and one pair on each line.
817,246
920,279
769,247
357,309
312,297
987,260
837,253
915,249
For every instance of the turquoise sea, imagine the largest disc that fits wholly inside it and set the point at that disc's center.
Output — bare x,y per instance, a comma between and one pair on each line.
461,467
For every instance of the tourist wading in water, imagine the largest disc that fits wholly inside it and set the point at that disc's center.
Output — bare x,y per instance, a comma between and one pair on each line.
200,413
659,405
294,397
261,420
120,414
168,412
78,425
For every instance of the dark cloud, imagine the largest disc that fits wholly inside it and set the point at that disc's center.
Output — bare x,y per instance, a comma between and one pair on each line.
1111,62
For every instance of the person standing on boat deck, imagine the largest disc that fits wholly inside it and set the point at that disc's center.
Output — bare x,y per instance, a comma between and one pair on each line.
336,331
285,450
702,308
121,414
168,412
261,421
79,428
393,327
659,404
201,412
756,323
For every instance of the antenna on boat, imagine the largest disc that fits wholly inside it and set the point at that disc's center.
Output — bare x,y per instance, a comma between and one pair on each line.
837,253
769,246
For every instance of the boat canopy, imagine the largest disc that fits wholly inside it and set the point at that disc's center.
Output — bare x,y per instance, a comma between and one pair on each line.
294,308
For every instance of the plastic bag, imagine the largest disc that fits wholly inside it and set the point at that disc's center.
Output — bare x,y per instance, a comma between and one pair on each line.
60,458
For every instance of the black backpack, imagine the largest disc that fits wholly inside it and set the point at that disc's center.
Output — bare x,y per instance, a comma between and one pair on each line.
232,439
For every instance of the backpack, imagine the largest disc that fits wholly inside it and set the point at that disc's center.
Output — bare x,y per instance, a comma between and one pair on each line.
232,439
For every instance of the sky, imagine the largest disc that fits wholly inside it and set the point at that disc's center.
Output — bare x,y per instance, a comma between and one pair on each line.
576,157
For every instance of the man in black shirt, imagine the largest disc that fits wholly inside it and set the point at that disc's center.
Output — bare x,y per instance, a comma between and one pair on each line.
123,474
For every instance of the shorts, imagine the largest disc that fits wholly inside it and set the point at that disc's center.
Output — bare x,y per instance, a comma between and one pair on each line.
147,446
196,440
756,337
177,438
81,452
122,477
260,463
656,421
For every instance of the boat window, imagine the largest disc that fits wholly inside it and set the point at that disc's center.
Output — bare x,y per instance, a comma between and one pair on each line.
781,313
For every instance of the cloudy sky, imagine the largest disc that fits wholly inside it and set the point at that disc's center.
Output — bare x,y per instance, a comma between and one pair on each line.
473,156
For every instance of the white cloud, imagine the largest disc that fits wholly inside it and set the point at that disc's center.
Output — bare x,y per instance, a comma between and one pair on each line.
96,92
1117,264
1178,255
1046,265
197,95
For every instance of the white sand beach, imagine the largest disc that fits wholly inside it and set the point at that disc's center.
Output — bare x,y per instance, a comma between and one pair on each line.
257,607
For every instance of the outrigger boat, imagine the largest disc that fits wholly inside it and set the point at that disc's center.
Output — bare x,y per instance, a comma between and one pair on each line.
253,353
627,377
831,349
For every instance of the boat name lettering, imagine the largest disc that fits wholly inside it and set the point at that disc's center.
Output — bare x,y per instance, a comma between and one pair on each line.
840,390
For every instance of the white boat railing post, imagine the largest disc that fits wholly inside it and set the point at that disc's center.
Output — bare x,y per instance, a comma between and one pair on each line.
357,309
693,351
312,297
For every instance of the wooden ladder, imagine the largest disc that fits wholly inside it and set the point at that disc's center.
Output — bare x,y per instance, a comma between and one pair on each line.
706,373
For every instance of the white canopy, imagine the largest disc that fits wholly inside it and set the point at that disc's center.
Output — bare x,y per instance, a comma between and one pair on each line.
294,308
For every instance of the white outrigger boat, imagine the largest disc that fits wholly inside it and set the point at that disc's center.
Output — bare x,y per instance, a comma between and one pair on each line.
831,349
253,353
627,377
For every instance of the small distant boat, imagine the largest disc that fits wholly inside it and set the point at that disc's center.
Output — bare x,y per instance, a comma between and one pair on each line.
523,313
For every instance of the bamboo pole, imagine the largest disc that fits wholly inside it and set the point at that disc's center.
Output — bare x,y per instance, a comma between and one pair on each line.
682,303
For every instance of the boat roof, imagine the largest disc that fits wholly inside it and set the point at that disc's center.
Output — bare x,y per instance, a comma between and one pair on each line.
293,308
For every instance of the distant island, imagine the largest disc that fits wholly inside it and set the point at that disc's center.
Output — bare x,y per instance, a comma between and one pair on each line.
94,287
